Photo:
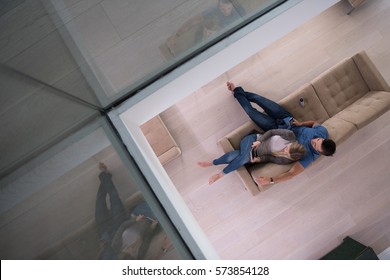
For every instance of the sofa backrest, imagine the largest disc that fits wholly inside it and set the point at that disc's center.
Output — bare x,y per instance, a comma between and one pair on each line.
340,86
310,109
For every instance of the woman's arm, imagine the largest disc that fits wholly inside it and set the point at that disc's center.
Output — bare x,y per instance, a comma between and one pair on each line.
284,133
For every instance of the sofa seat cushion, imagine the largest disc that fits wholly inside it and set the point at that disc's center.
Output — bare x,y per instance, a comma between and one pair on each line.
339,129
310,109
366,109
340,86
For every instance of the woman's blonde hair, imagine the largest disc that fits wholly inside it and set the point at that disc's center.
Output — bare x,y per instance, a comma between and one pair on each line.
296,151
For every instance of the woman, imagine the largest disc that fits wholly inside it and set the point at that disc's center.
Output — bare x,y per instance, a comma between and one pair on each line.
276,145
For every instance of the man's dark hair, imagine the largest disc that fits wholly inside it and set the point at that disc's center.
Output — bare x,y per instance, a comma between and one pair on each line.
328,147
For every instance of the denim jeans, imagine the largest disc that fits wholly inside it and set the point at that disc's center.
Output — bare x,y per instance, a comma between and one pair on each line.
108,220
274,113
237,158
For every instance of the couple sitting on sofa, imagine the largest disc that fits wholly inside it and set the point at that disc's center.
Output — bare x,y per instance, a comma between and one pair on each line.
285,140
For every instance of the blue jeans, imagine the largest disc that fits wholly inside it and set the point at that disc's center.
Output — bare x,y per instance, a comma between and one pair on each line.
274,113
237,158
108,220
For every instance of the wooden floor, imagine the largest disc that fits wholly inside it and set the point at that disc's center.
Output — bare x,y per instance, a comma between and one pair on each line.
304,218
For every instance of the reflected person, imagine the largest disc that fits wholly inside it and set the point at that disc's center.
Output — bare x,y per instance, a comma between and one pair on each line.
122,236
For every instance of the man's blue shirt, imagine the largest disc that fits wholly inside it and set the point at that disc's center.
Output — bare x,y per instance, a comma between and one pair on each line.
304,136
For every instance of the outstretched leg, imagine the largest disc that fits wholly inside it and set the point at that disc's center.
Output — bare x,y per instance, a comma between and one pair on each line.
273,111
271,108
226,158
235,159
102,214
118,213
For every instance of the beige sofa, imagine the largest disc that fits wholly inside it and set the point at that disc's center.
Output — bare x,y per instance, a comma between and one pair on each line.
344,99
161,141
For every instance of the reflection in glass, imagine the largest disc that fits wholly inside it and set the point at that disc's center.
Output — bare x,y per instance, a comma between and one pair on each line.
205,26
124,235
53,208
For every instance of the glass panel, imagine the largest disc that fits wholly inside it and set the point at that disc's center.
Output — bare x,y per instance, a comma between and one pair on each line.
78,201
61,61
44,93
123,45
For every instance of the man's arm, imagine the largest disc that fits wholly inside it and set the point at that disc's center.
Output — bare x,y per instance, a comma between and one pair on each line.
296,169
305,123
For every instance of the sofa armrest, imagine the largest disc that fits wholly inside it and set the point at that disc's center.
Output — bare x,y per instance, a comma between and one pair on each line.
370,72
236,135
160,139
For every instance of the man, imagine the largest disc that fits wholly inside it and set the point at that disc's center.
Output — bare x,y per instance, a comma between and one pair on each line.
312,135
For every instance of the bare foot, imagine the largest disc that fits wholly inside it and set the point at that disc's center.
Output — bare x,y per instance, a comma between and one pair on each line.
102,166
205,163
230,86
215,177
261,181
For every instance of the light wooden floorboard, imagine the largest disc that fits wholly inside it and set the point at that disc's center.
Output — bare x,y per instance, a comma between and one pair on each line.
306,217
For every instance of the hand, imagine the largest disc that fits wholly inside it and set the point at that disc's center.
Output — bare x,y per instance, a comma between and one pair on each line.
140,218
296,123
256,159
263,181
255,144
230,86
